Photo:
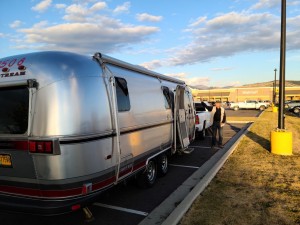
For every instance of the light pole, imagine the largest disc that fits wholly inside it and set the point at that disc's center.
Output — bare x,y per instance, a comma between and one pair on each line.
281,139
274,97
282,66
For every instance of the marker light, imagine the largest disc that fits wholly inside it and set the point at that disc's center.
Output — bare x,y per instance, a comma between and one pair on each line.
197,119
21,67
5,70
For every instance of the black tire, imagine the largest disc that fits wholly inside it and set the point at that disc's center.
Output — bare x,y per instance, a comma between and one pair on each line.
162,165
148,177
262,108
203,132
235,108
296,110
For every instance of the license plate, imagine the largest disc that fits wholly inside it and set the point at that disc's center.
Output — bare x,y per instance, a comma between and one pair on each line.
5,160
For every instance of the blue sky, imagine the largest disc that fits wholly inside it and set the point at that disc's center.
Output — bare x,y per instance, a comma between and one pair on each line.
213,43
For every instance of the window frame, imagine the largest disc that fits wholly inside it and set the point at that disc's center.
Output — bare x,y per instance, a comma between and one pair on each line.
27,110
167,97
124,88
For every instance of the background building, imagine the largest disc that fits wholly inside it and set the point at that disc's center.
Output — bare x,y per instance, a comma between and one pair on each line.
259,91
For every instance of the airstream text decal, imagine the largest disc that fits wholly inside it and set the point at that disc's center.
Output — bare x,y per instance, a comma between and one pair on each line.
13,74
5,65
11,62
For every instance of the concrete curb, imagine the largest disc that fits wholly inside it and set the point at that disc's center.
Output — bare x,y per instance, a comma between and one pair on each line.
172,209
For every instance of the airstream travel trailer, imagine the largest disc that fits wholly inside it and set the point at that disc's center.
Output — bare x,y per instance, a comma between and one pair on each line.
72,126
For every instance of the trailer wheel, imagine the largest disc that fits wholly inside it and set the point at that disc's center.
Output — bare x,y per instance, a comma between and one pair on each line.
148,177
162,165
262,108
296,110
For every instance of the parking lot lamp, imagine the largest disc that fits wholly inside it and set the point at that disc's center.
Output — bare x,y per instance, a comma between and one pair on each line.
281,139
274,99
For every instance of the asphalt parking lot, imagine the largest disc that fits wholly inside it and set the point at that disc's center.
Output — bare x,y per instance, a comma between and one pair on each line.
243,113
126,204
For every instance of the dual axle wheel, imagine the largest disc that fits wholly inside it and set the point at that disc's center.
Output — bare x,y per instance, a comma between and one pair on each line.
155,167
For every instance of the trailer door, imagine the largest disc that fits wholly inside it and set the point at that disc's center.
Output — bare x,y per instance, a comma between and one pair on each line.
181,121
124,166
190,112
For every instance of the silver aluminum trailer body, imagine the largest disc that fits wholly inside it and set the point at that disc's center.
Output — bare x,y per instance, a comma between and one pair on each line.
72,126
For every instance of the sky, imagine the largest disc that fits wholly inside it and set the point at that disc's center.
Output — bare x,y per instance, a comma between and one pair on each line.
204,42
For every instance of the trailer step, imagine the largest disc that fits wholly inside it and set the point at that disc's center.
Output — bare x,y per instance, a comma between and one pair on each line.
188,150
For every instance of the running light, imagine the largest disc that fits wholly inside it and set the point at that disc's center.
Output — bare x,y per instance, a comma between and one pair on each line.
75,207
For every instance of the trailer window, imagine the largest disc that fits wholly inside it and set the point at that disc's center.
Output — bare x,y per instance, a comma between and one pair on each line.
167,97
122,95
14,104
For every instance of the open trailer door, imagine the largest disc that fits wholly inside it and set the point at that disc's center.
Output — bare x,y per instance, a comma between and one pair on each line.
181,123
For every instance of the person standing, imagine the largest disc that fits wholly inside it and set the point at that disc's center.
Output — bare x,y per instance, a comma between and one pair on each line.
218,119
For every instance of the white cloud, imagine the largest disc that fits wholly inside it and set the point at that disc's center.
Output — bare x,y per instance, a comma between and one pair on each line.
42,6
233,33
76,13
40,24
192,81
83,13
221,69
152,64
198,21
60,6
266,4
293,3
179,75
124,8
148,17
98,6
104,34
229,34
15,24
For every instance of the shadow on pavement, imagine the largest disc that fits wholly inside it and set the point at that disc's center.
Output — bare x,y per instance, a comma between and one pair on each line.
235,128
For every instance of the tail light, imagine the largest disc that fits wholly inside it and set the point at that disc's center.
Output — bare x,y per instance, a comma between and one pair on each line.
41,147
197,120
75,207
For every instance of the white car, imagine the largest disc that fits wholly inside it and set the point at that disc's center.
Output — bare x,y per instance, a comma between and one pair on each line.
202,120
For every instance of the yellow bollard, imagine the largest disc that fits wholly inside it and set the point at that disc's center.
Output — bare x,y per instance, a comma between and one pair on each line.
281,142
274,109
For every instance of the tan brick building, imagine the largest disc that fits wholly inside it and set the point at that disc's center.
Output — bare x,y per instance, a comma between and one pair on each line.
245,93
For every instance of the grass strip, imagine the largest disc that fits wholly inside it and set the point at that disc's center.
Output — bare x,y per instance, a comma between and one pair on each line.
254,186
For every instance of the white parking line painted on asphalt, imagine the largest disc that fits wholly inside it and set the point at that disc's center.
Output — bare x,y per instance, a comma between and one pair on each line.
137,212
177,165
